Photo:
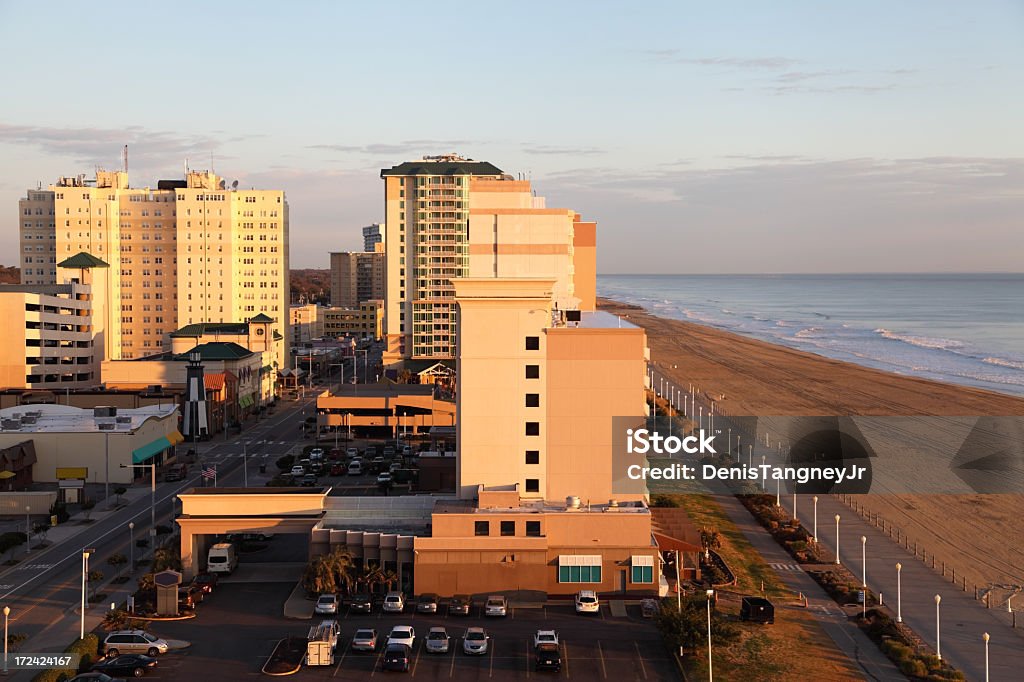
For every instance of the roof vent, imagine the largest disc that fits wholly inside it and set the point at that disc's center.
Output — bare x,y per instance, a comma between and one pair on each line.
613,504
572,502
105,426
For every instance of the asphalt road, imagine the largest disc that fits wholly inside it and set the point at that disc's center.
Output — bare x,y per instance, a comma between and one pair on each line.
238,626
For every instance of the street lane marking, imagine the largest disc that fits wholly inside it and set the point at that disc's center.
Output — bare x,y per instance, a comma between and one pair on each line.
451,671
565,657
342,659
600,652
643,668
416,661
491,648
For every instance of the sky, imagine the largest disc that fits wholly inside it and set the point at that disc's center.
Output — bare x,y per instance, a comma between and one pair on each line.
704,137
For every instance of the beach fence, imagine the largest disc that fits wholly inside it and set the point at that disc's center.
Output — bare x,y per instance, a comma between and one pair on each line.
987,594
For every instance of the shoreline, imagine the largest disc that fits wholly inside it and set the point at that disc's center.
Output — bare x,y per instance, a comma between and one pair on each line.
748,376
755,377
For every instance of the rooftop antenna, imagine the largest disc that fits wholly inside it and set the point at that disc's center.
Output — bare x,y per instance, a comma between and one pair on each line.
126,159
186,166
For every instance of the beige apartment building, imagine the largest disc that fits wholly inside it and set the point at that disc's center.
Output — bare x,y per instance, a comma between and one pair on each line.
356,277
57,334
305,323
185,252
449,217
365,320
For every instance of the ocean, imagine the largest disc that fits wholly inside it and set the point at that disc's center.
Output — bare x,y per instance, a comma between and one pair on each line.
963,329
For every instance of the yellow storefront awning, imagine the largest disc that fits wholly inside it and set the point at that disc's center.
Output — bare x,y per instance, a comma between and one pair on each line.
175,437
7,474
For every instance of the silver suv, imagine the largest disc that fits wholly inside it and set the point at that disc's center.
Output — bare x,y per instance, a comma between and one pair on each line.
133,642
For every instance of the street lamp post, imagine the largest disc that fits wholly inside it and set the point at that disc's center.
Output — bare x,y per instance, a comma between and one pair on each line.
711,676
778,492
938,640
794,503
837,539
899,593
6,612
814,538
864,572
131,546
28,531
245,466
984,638
85,571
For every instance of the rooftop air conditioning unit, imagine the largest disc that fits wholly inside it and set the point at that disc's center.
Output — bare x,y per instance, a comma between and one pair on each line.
123,419
10,424
104,412
105,426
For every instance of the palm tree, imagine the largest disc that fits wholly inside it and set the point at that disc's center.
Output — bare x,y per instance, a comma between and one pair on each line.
709,539
388,578
370,577
343,566
319,576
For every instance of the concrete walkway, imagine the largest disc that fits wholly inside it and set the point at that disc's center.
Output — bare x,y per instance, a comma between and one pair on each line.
845,633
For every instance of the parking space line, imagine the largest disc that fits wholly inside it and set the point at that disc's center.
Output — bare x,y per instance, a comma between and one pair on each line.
565,657
491,648
376,663
451,670
527,660
342,659
639,657
600,652
416,661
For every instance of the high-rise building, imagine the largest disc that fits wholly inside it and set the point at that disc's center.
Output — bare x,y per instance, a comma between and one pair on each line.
448,217
356,276
372,236
186,252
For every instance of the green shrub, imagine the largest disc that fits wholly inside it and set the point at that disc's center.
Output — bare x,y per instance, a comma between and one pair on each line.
913,667
663,501
897,651
87,647
934,663
285,463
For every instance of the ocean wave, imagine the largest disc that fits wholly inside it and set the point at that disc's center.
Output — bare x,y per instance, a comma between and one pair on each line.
1003,362
809,331
921,341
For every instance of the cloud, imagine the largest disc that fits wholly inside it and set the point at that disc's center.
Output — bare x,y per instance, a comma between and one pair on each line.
92,145
395,149
554,150
675,57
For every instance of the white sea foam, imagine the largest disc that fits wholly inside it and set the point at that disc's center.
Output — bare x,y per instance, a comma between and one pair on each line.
921,341
1003,362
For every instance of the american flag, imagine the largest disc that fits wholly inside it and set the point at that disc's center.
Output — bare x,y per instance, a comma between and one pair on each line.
210,472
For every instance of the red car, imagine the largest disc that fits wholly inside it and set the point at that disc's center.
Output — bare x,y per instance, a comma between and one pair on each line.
205,582
334,454
338,469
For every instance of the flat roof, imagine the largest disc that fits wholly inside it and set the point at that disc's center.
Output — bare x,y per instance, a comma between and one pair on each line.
600,319
380,390
547,507
317,490
63,418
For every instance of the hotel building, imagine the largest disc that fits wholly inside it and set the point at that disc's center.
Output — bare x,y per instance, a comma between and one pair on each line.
188,251
448,217
356,277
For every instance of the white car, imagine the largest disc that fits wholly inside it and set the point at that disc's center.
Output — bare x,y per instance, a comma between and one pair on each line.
394,602
496,606
545,637
402,634
437,641
326,605
587,602
298,470
352,453
384,478
475,641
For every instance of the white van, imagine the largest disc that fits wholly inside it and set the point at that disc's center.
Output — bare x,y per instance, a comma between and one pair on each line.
322,643
355,468
222,558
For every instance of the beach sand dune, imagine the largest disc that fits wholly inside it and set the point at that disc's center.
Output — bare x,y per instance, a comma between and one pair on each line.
978,534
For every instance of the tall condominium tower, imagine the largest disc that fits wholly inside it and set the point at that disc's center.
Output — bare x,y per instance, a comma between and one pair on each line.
356,277
188,251
448,217
373,235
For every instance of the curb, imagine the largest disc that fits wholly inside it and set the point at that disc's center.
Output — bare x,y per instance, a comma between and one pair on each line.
263,670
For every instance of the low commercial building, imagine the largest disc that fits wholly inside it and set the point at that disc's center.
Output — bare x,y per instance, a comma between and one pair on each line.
383,409
305,323
72,445
364,321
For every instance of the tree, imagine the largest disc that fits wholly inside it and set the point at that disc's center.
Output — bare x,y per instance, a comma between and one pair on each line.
114,620
687,627
94,577
9,541
40,530
119,491
87,506
319,577
117,560
14,639
388,578
709,540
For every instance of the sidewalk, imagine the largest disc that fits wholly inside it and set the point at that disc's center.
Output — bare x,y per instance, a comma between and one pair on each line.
850,639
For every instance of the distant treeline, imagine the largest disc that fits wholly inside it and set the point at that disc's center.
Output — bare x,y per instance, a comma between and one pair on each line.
10,274
311,286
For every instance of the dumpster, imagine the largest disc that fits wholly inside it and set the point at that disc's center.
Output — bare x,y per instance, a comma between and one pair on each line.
263,468
757,610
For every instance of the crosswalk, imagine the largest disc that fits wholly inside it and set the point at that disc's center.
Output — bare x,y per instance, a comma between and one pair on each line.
786,567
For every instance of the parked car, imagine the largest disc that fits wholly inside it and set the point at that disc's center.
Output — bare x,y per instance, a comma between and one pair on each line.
549,658
389,453
396,657
384,478
587,602
355,468
187,600
298,470
135,665
326,605
545,637
427,603
365,640
133,642
315,453
496,606
205,581
395,466
475,641
352,453
338,469
95,677
335,453
460,605
402,634
178,472
309,480
394,602
437,641
361,603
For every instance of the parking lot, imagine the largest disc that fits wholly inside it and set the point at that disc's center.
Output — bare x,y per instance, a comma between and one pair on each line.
238,626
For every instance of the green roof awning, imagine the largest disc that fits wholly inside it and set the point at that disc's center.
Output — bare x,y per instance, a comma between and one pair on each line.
83,260
140,455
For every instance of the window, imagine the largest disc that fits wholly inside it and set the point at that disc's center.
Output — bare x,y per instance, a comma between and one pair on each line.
508,528
533,371
533,399
532,343
482,528
532,428
642,569
533,456
533,529
533,485
579,568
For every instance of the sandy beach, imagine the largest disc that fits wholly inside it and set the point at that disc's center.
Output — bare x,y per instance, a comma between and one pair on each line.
748,376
